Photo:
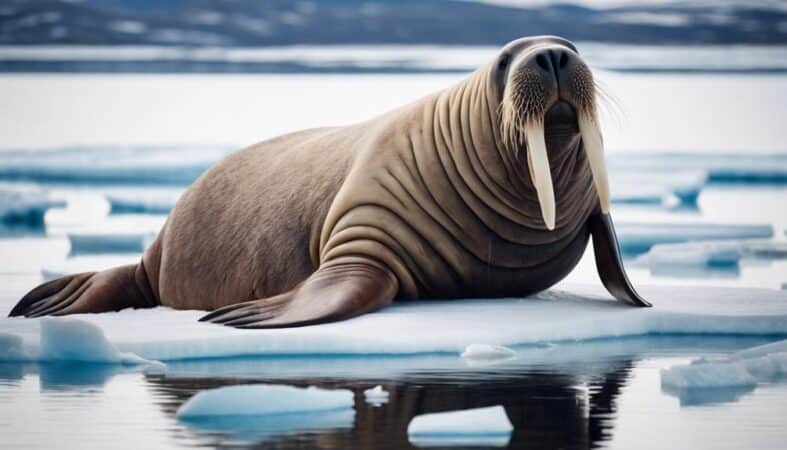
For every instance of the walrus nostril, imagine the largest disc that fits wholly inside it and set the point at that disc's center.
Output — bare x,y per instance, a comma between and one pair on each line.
563,60
543,62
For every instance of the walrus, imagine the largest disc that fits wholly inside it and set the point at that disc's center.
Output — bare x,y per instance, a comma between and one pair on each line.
490,188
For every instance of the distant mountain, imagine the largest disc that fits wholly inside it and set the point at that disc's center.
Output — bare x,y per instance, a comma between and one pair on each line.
278,22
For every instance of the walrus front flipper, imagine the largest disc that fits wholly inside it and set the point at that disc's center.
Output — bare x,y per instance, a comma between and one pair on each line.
609,262
90,292
338,290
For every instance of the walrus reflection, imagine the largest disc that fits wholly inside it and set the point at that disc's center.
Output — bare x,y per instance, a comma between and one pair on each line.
547,410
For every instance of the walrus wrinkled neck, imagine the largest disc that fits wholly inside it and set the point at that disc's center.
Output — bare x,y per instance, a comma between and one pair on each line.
467,120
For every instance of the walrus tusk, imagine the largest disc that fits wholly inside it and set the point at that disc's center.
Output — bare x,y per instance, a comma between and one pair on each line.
540,174
594,148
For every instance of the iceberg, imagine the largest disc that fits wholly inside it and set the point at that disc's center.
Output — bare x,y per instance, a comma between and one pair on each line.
481,426
571,313
261,399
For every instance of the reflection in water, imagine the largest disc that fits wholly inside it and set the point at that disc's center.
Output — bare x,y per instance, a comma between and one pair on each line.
548,410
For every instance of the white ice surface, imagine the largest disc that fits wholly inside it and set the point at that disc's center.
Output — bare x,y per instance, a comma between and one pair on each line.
486,351
376,396
577,312
261,399
748,367
480,426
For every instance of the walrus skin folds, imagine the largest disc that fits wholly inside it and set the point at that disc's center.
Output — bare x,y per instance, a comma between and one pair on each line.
490,188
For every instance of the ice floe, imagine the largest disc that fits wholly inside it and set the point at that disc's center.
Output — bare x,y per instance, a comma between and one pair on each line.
262,399
86,263
481,426
150,201
664,188
25,203
159,165
640,237
720,168
67,339
709,254
82,243
575,312
376,396
745,368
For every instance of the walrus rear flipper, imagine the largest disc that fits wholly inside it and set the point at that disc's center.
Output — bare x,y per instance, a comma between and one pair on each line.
609,262
89,292
338,290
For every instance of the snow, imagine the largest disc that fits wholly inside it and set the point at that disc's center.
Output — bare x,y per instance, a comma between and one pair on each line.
487,352
745,368
573,313
376,396
260,399
24,203
480,426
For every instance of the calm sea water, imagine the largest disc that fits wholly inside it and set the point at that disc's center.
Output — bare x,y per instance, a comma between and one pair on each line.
611,397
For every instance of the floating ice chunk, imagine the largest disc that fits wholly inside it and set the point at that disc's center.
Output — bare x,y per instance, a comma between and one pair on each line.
709,254
662,188
640,237
25,204
574,312
65,339
376,396
745,368
487,352
721,168
150,201
261,399
82,243
160,165
481,426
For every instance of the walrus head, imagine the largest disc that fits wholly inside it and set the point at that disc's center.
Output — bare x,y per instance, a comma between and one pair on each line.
545,87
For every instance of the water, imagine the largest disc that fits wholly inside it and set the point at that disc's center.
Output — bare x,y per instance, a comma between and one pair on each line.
612,399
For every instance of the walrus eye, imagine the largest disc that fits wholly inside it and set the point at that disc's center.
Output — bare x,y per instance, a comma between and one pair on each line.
504,60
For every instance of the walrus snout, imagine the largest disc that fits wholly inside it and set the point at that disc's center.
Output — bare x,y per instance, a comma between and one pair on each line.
544,84
556,73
